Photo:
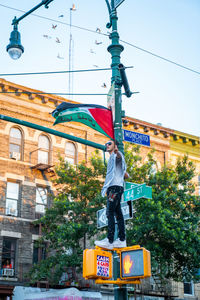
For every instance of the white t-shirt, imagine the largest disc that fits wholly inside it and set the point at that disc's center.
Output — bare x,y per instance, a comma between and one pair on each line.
118,178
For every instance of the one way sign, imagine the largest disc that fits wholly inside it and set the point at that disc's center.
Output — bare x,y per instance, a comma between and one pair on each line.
102,220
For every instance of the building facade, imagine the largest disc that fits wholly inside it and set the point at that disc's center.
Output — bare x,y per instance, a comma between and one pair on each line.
27,160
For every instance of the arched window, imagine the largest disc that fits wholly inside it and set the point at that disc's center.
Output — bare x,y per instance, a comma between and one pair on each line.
70,153
44,149
15,146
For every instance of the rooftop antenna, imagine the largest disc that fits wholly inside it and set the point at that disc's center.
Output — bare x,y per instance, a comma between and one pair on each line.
71,48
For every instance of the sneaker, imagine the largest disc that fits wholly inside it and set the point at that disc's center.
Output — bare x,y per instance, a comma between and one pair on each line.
119,244
104,244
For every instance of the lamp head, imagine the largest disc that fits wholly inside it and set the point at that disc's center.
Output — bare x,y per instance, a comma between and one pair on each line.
15,48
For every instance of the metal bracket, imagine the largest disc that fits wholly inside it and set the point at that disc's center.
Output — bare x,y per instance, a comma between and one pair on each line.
117,282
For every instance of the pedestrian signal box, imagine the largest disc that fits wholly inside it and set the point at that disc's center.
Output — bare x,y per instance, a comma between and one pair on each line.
97,264
135,262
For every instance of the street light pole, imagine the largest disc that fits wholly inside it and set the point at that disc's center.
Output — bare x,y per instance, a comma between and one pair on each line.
115,50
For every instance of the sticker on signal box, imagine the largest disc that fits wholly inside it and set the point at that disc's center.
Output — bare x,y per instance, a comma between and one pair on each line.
103,265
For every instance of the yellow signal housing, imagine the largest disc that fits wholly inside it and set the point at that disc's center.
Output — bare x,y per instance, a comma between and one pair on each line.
97,263
135,262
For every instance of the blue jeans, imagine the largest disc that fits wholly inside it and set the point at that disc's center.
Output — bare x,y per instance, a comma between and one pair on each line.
114,194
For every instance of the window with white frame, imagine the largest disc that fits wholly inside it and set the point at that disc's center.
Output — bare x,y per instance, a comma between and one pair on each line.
188,288
12,198
44,149
70,153
41,199
15,144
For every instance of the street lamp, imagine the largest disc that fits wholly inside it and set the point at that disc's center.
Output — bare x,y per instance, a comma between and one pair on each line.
15,48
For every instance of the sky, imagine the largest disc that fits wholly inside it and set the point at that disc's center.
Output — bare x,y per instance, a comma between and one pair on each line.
168,94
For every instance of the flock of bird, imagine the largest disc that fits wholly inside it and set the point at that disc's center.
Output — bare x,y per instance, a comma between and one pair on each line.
58,41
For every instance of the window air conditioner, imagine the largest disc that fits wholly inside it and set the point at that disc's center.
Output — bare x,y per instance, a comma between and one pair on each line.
8,272
15,155
11,211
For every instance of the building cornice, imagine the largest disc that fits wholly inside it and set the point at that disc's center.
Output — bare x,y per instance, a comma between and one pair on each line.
31,94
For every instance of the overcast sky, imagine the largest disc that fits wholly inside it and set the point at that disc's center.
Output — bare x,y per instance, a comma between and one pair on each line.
168,94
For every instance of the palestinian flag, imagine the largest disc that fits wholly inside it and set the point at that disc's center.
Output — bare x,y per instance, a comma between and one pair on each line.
95,116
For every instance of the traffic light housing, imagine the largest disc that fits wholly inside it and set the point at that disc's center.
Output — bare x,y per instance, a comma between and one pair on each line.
135,263
97,263
124,79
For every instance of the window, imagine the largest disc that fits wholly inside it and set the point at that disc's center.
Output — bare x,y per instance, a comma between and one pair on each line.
44,146
188,288
39,253
70,153
12,197
15,148
41,199
8,257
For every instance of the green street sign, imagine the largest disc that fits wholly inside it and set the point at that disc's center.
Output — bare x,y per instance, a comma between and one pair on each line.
138,191
130,185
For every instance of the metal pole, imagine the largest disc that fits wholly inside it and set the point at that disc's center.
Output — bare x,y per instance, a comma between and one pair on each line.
115,50
44,2
52,131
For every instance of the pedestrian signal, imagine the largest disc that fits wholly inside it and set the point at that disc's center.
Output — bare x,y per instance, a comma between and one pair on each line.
135,263
97,264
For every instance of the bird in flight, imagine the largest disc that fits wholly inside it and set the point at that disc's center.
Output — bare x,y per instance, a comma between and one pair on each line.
61,16
98,43
54,26
92,51
46,36
98,30
57,40
104,85
73,7
60,57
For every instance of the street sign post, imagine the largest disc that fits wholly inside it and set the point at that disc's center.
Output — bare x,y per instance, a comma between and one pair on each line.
137,192
111,100
136,138
133,191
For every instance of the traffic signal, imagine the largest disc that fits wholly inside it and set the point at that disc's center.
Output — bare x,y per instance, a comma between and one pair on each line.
125,84
97,263
135,263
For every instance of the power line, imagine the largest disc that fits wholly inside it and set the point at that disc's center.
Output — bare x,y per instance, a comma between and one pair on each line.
161,57
49,93
93,31
56,72
62,94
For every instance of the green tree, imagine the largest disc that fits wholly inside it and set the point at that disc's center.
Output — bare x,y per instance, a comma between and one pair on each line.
168,224
71,221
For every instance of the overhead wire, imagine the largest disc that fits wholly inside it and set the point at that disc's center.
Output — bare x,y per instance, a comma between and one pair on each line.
53,72
49,93
62,94
127,43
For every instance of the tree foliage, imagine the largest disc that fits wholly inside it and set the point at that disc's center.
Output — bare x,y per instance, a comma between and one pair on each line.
71,221
167,225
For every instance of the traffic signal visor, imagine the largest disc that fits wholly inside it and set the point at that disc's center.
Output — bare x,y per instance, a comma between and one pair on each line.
135,263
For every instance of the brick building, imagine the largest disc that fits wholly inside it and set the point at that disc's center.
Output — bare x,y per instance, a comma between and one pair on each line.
27,160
